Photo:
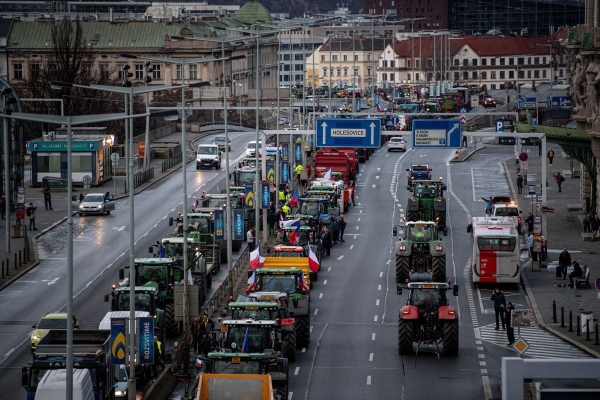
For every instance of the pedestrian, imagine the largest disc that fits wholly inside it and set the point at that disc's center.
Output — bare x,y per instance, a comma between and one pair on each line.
157,357
308,172
530,244
3,206
529,221
587,223
577,272
352,192
250,239
595,225
47,198
342,227
335,227
30,212
298,171
499,307
197,334
271,222
564,260
510,330
550,156
520,183
464,142
326,241
559,180
81,197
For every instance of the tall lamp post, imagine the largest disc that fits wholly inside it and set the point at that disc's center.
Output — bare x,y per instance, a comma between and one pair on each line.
7,111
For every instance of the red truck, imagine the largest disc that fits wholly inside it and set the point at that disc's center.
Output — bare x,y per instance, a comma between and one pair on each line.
334,159
353,154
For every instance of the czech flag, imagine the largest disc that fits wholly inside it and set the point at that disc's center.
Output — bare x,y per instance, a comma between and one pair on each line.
295,235
327,175
295,197
256,261
252,282
245,346
313,261
303,286
378,108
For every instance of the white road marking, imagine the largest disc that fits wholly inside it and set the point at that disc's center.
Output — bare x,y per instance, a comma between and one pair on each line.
51,282
121,228
325,282
9,352
357,227
376,176
320,296
373,336
359,220
316,311
369,380
351,246
340,257
388,262
378,287
381,274
375,319
377,302
371,357
297,370
360,211
328,269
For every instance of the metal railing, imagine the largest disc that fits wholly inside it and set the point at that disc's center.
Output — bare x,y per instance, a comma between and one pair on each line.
143,176
171,162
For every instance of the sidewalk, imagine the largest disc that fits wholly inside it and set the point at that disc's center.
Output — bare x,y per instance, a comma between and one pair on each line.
48,219
564,228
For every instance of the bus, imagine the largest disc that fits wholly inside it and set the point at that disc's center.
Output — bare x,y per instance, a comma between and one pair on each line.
496,250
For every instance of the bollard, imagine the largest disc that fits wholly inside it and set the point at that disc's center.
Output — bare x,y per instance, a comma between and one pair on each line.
554,311
20,260
2,269
570,321
562,317
597,343
7,267
16,265
578,326
587,331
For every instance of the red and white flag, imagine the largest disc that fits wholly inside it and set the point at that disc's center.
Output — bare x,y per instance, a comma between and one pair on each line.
328,175
313,261
256,261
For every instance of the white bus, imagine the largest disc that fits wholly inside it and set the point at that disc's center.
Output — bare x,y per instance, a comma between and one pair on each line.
496,249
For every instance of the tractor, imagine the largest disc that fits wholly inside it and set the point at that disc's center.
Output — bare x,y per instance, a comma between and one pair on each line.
428,203
419,251
201,226
427,318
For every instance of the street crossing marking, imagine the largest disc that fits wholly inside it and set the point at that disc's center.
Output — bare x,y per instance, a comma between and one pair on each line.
542,343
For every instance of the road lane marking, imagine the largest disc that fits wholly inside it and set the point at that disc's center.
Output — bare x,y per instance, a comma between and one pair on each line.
378,287
375,319
320,296
377,302
369,380
373,336
9,352
329,269
316,311
297,370
371,357
351,246
340,257
381,274
325,282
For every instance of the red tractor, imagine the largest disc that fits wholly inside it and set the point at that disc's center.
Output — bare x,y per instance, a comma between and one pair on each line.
427,318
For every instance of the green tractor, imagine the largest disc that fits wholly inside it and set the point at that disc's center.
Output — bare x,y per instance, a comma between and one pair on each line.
261,311
428,203
201,227
288,281
419,251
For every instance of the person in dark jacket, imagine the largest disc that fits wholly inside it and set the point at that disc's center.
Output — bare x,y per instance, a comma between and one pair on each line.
510,331
499,307
529,221
327,240
272,222
564,260
577,272
520,183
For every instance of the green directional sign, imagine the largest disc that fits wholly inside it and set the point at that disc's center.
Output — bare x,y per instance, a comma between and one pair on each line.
61,145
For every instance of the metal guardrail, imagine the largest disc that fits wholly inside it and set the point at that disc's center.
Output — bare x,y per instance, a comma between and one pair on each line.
171,162
143,176
165,383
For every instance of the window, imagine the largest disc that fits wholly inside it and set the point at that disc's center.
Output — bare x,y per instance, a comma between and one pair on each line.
536,60
369,71
299,67
299,78
483,74
298,57
536,73
392,63
35,70
334,57
331,72
322,58
356,57
18,71
483,62
345,57
520,61
121,71
474,62
502,61
408,76
82,162
429,63
139,71
529,60
520,73
384,63
492,61
355,71
466,75
324,71
392,77
156,72
286,57
193,71
560,73
417,64
339,72
502,75
48,162
465,62
544,73
492,74
369,57
384,76
474,74
529,74
178,73
345,71
408,63
416,76
104,71
456,76
511,74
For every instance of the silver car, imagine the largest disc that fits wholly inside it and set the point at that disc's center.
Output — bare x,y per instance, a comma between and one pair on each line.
396,143
97,203
220,141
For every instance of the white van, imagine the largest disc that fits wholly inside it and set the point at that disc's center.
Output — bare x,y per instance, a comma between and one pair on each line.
208,156
251,148
53,385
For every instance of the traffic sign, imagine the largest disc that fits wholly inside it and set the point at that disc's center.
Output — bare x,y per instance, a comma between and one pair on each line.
521,346
395,120
463,110
114,157
531,189
518,110
598,284
338,132
523,157
437,133
463,119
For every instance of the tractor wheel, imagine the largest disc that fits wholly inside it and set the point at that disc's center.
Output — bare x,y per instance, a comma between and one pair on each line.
438,269
402,270
405,336
440,217
290,346
281,392
223,251
302,331
450,338
209,281
170,325
412,215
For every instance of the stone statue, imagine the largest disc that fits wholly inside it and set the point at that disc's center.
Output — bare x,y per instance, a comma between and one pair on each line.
592,74
579,95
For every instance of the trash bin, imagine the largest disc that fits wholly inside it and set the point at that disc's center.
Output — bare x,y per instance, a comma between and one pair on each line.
16,231
587,317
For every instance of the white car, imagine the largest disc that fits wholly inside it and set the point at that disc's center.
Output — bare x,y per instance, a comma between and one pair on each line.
97,203
208,156
396,143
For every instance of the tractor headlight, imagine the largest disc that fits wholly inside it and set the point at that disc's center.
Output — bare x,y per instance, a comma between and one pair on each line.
438,248
402,248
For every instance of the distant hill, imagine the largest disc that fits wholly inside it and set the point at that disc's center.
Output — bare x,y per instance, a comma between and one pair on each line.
297,8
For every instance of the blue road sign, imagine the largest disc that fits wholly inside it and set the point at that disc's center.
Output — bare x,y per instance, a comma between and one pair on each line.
341,132
395,120
437,133
499,125
531,190
463,110
238,224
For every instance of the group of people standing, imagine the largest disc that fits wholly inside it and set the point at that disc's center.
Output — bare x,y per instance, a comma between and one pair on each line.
503,311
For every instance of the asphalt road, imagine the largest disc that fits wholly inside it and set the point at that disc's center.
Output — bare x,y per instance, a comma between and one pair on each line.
101,247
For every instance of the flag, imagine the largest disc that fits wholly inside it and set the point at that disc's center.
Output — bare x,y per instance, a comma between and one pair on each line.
294,235
313,261
161,250
303,286
245,346
252,282
327,175
255,259
378,108
295,197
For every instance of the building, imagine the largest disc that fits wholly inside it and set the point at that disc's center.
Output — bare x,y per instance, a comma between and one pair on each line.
425,14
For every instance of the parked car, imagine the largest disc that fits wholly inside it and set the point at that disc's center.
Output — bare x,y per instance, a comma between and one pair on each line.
488,102
97,203
396,143
220,141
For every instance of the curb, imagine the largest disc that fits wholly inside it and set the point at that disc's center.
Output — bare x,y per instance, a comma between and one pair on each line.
529,293
36,260
468,155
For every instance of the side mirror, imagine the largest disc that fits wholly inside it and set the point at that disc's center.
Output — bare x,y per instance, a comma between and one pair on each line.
520,212
408,169
121,274
170,221
224,312
150,249
398,289
268,251
395,231
33,326
106,298
469,228
455,290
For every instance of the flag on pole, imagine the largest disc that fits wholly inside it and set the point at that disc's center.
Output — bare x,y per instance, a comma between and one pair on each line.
295,198
295,234
245,346
313,261
255,259
327,175
252,281
303,286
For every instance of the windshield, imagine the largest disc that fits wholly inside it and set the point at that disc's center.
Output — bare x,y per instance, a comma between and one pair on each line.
312,208
279,283
151,273
302,239
174,250
420,233
122,375
219,139
426,191
50,323
247,178
259,315
395,139
252,145
93,199
245,367
208,150
507,212
426,297
142,302
258,337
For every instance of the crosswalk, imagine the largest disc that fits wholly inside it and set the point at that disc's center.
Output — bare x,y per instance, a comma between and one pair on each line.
542,344
490,181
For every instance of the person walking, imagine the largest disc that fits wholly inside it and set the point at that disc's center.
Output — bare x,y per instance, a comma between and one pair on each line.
499,307
47,198
298,171
564,260
594,225
529,221
520,183
3,206
250,239
30,212
271,222
510,331
342,227
335,227
530,245
550,156
157,357
352,192
559,180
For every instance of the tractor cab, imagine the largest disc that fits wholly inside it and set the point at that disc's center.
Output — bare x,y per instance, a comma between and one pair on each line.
145,298
285,280
249,336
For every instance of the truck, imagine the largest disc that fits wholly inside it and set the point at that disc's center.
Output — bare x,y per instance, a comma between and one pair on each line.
353,156
235,386
331,158
427,318
419,251
428,203
91,351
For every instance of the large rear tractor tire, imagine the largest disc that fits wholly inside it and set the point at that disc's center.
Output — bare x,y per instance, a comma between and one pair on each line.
302,331
438,269
402,269
171,326
209,281
223,252
440,217
450,338
289,350
405,336
281,392
412,215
